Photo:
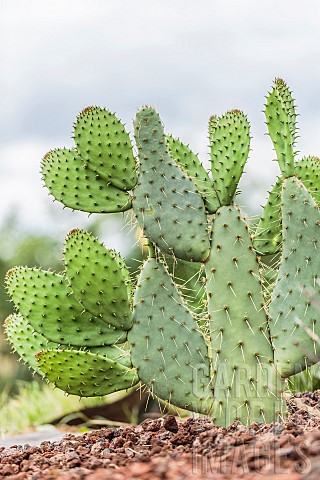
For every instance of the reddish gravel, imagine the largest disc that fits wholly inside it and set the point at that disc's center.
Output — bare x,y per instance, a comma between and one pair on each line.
168,449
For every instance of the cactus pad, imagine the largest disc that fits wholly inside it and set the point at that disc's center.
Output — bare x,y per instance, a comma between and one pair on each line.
97,279
168,349
241,348
84,373
268,232
166,201
105,147
308,171
281,121
291,310
79,188
229,137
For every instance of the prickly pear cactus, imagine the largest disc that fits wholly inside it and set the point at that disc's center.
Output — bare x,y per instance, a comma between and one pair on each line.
90,332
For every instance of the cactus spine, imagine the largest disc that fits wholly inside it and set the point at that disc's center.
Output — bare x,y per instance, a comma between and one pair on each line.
93,334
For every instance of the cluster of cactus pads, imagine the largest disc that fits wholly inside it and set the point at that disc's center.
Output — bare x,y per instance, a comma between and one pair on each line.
91,332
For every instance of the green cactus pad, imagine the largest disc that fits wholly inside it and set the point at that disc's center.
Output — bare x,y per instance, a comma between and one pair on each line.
47,303
189,162
105,147
291,308
229,137
84,373
166,202
25,341
79,188
281,121
246,386
97,279
268,235
168,349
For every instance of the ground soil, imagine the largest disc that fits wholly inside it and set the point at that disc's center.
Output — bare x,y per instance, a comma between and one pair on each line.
173,449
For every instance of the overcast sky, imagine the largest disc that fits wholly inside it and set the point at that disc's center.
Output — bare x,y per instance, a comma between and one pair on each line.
189,59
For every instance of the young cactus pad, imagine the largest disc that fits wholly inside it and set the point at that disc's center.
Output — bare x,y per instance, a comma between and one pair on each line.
281,121
27,342
229,137
94,335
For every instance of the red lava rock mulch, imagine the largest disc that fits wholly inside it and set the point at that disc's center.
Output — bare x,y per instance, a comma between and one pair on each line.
168,449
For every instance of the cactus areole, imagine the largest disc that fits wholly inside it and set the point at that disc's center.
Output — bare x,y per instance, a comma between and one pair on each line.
91,330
